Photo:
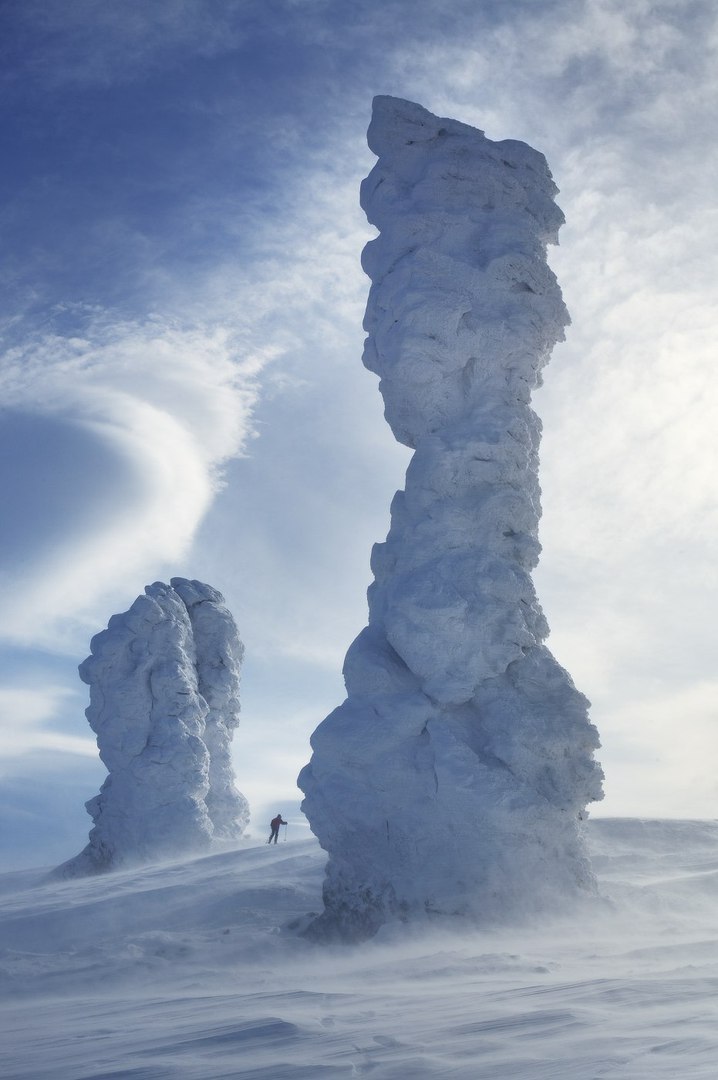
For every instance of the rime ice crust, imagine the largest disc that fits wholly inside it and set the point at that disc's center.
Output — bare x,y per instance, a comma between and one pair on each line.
164,700
452,778
218,659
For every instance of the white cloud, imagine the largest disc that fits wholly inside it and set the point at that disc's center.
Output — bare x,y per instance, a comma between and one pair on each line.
174,404
23,715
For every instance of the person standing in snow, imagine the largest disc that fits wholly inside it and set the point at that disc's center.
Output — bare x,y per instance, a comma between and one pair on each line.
274,824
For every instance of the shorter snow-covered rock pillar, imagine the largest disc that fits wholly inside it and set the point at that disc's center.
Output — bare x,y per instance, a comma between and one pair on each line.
164,701
452,779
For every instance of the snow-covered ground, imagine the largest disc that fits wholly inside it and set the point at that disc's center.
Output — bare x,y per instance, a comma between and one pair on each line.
192,970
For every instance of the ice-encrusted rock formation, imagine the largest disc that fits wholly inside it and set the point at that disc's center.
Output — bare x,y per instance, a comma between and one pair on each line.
164,702
218,659
452,779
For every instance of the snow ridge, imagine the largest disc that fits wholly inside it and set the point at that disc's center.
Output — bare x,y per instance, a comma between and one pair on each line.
452,779
164,702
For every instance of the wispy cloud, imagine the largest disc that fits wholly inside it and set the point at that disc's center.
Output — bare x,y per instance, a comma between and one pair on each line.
173,404
24,714
621,99
89,42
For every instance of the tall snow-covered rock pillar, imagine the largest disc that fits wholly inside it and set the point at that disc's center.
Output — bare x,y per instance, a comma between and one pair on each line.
452,779
164,701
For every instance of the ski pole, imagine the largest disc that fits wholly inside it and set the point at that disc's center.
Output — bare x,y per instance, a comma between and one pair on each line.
286,826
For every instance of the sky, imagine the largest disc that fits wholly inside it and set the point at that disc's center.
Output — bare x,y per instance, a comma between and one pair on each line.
181,387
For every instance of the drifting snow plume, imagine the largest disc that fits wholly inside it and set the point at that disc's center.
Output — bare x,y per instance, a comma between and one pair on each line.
164,701
452,779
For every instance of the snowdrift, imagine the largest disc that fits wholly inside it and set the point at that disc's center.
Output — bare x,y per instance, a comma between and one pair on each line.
197,970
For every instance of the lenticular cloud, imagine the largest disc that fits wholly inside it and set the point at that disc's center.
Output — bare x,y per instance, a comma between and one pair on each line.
171,405
164,703
453,778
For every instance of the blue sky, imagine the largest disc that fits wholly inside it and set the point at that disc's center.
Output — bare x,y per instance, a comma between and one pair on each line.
182,390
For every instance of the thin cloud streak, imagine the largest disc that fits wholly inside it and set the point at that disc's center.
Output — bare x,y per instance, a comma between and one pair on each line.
91,43
23,715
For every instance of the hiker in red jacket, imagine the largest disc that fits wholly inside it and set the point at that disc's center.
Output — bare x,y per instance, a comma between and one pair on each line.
275,823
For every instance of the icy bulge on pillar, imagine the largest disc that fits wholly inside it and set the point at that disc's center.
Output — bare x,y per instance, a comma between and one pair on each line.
452,780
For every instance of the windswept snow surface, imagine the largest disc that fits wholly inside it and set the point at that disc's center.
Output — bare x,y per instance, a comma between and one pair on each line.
191,971
453,778
164,702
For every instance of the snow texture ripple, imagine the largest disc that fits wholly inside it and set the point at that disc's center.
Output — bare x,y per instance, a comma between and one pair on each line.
164,703
453,779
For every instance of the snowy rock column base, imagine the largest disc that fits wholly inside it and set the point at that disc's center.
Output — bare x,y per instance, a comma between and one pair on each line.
164,701
452,779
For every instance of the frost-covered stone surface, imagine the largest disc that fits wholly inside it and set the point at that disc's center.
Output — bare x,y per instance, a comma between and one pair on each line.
453,777
164,701
218,660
